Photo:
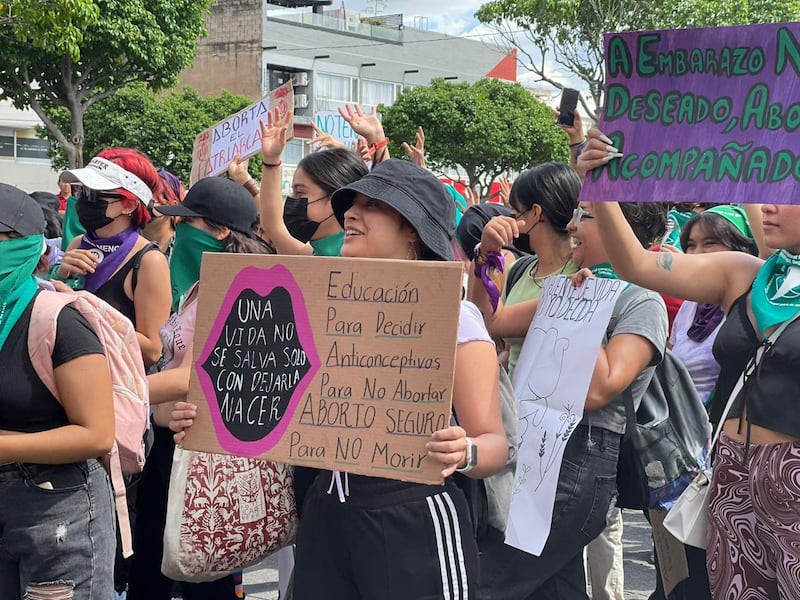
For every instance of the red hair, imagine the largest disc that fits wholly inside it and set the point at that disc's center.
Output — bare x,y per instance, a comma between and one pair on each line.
137,163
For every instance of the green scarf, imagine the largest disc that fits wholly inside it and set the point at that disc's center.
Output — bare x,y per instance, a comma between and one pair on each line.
776,290
18,260
187,254
330,245
604,270
72,227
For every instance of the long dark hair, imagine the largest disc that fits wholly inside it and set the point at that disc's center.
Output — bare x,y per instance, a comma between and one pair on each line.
333,169
720,229
554,187
239,243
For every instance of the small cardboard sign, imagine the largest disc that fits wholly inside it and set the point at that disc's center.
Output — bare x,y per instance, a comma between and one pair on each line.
216,147
702,115
334,363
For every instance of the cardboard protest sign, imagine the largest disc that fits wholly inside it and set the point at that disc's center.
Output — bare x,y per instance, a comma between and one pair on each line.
215,148
335,125
550,383
702,115
334,363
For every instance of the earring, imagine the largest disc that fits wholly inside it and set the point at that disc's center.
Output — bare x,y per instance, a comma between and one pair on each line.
412,252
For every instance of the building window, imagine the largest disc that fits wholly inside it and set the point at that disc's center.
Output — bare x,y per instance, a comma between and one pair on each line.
293,152
30,147
23,145
332,91
374,93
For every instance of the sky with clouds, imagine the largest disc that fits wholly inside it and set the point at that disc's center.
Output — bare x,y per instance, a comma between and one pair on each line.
453,17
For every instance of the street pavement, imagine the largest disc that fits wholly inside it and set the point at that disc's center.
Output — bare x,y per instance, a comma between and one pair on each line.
261,581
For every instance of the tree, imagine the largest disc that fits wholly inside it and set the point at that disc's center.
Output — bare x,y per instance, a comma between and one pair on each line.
132,41
486,128
53,24
571,31
163,127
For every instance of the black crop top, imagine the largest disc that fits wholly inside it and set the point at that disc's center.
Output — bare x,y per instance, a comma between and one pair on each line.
113,290
773,390
26,405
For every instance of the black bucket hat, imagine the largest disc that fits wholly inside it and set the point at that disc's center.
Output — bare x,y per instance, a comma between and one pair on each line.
19,213
413,192
219,200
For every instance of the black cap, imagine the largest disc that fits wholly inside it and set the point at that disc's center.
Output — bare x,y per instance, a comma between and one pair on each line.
19,212
413,192
220,200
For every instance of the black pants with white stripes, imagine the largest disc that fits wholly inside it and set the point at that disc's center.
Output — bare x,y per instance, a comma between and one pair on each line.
389,540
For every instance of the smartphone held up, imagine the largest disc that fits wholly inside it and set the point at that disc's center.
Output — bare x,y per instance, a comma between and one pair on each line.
566,109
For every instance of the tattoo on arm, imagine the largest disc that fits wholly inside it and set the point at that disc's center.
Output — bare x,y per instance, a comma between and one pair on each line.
664,260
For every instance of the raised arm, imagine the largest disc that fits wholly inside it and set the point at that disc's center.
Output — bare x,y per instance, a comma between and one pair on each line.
714,278
270,202
368,126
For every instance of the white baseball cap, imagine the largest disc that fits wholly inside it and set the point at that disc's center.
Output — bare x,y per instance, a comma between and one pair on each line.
102,174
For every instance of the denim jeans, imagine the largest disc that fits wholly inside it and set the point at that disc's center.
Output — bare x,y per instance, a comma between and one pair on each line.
587,486
57,531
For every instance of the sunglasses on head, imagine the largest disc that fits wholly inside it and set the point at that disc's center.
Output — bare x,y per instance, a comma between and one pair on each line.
81,192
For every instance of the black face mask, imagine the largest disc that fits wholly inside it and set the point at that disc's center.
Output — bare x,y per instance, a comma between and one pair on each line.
92,211
523,241
295,217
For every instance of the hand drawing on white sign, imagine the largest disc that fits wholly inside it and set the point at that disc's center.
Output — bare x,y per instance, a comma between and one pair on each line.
533,407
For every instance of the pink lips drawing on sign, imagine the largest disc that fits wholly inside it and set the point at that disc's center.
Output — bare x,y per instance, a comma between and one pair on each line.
258,360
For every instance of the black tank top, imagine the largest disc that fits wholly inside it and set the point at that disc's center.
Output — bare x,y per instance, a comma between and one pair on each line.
772,391
113,290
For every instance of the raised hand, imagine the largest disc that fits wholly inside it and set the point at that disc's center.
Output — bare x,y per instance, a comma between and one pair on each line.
362,149
599,150
238,169
574,131
273,136
366,124
471,196
416,153
323,140
505,189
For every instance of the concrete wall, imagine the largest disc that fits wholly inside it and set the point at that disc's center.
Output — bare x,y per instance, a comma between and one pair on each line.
230,57
27,175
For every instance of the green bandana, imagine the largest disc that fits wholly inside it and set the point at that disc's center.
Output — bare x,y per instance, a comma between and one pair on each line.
736,216
776,290
18,260
330,245
604,270
679,219
72,227
187,254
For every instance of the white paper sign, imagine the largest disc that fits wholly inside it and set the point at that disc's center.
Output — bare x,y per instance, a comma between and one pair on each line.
334,124
550,383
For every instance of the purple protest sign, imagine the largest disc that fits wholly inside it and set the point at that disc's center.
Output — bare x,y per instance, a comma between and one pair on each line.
702,115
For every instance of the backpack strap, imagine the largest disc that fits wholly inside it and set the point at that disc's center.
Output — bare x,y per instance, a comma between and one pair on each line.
42,331
517,269
137,262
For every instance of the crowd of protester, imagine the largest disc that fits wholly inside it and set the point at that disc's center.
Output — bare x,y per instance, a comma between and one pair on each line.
702,281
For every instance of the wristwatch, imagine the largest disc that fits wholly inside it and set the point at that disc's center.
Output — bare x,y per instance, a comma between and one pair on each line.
472,457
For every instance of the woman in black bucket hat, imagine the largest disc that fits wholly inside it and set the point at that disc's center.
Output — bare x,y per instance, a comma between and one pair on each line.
392,539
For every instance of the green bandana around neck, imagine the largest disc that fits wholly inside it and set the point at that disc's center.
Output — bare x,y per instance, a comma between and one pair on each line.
604,270
187,254
330,245
18,260
776,290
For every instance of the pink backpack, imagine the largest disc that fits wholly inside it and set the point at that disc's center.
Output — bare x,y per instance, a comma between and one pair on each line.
128,381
